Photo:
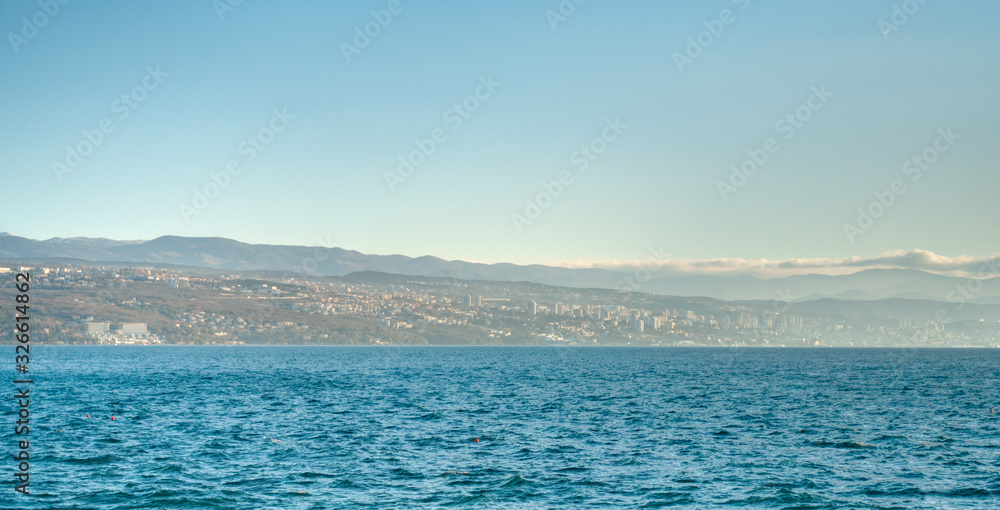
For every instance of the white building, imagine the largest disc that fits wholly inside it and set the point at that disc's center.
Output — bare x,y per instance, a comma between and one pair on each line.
133,328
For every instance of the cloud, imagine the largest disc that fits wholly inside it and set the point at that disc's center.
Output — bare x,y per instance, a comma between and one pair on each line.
963,266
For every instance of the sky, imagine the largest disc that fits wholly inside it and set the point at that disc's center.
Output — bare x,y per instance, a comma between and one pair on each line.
534,131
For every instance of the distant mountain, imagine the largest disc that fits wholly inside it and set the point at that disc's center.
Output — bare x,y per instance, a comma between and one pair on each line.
869,284
221,253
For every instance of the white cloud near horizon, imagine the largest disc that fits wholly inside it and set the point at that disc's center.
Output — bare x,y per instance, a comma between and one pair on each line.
962,265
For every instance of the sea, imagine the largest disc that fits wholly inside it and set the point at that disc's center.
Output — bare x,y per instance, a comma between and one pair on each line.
381,427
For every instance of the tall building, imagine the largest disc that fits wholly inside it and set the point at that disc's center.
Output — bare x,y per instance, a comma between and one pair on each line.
534,308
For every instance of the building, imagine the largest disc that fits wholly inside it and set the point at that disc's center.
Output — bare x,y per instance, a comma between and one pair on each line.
96,328
133,328
534,308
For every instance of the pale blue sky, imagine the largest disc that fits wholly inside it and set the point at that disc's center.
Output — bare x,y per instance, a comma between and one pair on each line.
322,180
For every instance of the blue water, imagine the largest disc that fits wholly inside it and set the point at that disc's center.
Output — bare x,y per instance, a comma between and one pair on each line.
388,427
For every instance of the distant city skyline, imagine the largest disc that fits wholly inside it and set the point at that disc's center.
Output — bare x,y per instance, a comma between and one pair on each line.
725,135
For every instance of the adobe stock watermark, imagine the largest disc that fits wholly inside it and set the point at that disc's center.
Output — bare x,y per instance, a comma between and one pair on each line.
48,9
640,276
963,293
789,124
453,118
784,301
581,159
644,273
321,253
93,138
224,7
249,148
562,12
363,36
264,309
967,290
885,199
714,28
900,15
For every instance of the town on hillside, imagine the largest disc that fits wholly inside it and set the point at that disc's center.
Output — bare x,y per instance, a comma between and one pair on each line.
93,303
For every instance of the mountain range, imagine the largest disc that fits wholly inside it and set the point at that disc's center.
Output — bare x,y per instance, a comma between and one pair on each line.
222,253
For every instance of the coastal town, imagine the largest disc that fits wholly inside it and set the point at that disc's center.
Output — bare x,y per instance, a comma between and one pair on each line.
133,304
